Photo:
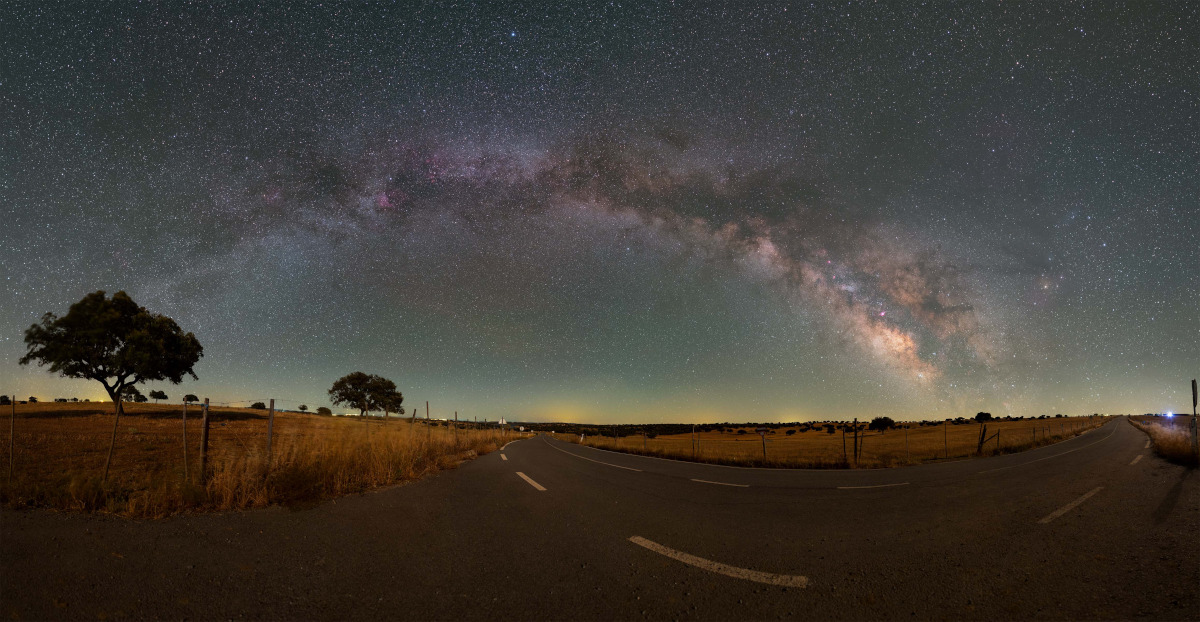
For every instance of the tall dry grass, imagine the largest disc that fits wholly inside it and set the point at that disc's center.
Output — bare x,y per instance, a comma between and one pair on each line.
1172,438
816,449
60,452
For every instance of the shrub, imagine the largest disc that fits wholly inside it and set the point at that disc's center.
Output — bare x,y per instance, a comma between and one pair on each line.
1173,443
259,406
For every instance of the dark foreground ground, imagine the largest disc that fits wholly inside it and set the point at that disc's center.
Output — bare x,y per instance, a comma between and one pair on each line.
1092,528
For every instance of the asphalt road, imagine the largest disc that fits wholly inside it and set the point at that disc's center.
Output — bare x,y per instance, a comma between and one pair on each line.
1096,527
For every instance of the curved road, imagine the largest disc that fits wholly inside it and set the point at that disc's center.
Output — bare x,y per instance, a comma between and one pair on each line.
1096,527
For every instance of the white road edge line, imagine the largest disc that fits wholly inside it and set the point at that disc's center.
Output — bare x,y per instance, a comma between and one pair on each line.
875,486
1013,466
785,580
1135,461
531,482
1070,506
503,457
704,481
569,453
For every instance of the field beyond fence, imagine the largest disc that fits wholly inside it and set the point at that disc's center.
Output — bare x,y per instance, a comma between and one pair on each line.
60,451
910,443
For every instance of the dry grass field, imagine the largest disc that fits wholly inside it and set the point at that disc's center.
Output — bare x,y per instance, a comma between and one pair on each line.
1171,436
60,451
819,449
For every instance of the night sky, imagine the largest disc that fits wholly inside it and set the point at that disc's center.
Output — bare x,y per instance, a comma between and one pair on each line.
620,212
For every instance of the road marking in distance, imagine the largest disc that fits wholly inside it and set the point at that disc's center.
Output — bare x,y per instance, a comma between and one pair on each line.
704,481
571,453
875,486
531,482
1147,444
1135,461
503,457
1070,506
785,580
1013,466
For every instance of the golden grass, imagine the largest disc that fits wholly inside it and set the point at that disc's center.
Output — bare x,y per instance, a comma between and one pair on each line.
818,449
1172,437
60,451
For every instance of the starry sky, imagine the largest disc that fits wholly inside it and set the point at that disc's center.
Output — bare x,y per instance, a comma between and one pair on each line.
620,211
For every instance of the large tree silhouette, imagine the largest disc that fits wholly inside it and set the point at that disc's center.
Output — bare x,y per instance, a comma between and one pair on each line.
366,392
114,342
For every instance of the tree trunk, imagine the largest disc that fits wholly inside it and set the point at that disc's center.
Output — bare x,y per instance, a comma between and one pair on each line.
116,396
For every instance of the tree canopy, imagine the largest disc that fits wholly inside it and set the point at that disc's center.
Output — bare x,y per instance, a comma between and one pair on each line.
130,393
114,342
190,398
881,423
158,395
366,392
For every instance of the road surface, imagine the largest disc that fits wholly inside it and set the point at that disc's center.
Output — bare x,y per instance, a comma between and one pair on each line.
1096,527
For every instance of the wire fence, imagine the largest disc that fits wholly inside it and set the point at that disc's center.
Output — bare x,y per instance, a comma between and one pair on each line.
848,446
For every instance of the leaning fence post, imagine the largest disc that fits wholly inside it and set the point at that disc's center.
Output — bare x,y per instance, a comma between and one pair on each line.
204,442
270,430
12,430
185,464
113,441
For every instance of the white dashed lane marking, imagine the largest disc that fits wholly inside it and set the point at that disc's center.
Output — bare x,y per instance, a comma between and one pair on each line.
785,580
875,486
1135,461
503,457
704,481
531,482
1070,506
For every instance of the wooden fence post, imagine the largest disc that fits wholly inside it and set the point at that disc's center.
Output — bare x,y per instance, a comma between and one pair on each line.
946,437
270,431
204,442
185,464
907,454
844,458
1195,431
112,442
456,429
856,441
12,430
